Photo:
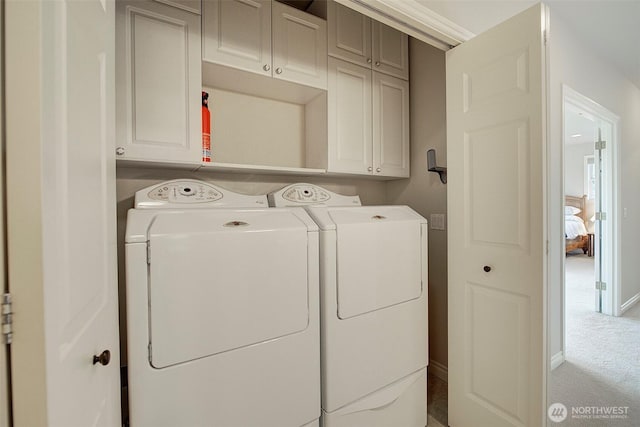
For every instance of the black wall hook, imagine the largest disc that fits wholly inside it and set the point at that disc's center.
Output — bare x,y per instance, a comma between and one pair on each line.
431,166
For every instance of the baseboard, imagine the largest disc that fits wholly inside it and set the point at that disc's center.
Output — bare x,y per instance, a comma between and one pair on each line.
439,370
630,303
557,360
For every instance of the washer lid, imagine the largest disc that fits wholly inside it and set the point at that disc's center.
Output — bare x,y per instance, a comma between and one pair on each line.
222,280
191,193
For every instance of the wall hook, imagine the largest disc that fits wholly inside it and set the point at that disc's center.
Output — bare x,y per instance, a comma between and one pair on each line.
431,166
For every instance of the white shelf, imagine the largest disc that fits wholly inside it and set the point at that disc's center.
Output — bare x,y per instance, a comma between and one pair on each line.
258,169
150,164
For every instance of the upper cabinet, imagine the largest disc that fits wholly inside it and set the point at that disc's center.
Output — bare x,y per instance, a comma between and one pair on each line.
158,82
267,38
356,38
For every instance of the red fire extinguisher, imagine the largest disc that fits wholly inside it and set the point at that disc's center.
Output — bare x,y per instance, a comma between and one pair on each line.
206,128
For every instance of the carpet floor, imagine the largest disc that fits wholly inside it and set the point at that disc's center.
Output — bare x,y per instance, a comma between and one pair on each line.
602,367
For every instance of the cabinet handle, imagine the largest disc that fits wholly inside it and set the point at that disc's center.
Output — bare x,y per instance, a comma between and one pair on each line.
266,67
120,151
368,60
278,70
369,168
378,170
377,63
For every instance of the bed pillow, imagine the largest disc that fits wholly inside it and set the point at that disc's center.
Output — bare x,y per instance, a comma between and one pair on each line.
571,210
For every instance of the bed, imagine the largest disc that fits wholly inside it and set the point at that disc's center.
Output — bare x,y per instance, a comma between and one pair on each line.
576,236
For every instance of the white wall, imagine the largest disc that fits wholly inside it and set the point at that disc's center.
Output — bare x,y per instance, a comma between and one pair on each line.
423,191
573,64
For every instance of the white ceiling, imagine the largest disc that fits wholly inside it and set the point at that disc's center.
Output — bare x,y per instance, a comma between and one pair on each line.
610,27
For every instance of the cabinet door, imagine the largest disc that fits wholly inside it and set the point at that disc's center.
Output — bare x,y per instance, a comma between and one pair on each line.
349,34
188,5
237,33
299,46
158,82
349,118
390,126
390,51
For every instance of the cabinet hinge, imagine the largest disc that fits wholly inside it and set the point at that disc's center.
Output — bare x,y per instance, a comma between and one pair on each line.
601,286
148,253
601,145
601,216
7,319
544,37
149,347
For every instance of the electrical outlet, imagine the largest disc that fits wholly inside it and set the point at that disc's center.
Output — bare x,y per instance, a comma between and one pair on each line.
437,221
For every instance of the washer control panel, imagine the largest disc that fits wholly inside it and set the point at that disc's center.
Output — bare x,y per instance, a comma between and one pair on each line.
303,194
185,192
191,193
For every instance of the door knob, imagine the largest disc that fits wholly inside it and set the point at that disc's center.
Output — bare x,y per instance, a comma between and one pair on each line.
369,168
377,63
266,67
486,269
368,60
378,170
103,359
278,70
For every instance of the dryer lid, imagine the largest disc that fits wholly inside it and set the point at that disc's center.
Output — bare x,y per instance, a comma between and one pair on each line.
329,218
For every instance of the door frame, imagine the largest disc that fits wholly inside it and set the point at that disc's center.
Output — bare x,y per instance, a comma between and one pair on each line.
570,95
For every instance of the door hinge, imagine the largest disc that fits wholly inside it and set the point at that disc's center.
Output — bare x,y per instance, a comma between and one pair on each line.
544,37
7,318
148,253
601,216
601,286
149,347
601,145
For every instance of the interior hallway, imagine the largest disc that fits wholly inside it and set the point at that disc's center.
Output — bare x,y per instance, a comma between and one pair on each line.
602,366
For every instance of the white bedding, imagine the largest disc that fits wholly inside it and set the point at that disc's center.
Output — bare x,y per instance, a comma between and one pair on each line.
574,227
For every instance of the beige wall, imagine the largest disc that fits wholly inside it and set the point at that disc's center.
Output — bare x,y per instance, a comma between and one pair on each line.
423,191
578,67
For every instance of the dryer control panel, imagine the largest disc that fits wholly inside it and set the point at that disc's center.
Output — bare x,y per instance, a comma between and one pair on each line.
308,195
190,193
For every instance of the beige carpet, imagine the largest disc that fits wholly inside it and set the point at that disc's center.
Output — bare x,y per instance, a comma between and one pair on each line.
602,367
437,399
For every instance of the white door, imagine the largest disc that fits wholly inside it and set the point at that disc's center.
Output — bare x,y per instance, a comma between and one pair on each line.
159,82
496,136
349,119
299,46
61,212
390,126
237,33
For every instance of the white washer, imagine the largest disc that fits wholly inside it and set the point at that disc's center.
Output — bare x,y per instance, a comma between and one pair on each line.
222,310
373,308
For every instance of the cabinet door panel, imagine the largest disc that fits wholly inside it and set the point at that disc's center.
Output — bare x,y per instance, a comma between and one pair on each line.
390,51
349,34
188,5
349,120
237,33
299,46
390,125
158,82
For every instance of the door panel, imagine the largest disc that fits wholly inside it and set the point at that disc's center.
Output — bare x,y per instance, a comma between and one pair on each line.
349,34
350,143
238,33
390,125
71,220
390,51
495,150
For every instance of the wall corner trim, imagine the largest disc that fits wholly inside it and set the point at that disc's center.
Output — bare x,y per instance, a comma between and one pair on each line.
629,303
439,370
557,360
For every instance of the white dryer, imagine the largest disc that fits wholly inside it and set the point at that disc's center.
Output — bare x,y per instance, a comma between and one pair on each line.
373,308
222,310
